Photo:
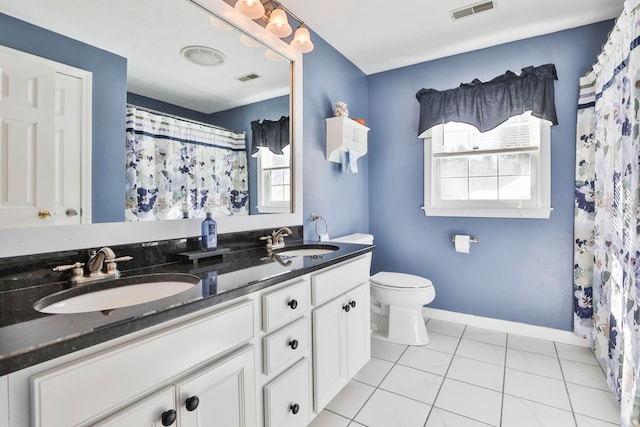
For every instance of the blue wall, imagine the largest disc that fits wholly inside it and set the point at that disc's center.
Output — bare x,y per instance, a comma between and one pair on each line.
108,108
239,119
522,269
343,199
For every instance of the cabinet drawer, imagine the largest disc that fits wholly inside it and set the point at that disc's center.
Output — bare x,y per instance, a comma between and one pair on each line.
337,280
109,380
287,399
285,304
279,346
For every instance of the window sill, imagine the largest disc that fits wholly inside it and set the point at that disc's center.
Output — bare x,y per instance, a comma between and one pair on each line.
534,213
270,209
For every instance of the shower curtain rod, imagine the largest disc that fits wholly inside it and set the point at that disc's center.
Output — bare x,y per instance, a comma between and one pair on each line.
162,113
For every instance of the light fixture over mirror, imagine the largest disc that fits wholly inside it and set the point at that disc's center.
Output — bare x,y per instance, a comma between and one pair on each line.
277,18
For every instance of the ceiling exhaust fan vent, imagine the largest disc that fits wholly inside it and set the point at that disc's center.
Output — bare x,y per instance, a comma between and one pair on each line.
472,9
203,55
247,77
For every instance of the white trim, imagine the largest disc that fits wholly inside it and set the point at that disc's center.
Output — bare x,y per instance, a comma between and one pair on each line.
534,213
533,331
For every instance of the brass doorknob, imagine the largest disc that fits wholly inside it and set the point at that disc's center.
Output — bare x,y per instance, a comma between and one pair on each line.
44,214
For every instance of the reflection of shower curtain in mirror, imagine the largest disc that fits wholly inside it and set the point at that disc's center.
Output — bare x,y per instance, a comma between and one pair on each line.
178,169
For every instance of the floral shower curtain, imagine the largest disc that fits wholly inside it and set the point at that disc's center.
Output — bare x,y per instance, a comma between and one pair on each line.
180,169
607,233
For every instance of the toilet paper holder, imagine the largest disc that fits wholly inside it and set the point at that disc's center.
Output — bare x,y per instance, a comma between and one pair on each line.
472,239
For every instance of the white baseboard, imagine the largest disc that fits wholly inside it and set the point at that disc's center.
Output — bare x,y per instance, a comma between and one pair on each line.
565,337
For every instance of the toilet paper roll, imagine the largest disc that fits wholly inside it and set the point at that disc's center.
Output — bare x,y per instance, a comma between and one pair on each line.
462,243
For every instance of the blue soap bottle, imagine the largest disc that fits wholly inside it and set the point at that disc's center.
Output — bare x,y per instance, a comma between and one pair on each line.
209,233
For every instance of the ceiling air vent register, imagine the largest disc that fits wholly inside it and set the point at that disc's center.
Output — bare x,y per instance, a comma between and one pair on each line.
203,55
248,77
472,9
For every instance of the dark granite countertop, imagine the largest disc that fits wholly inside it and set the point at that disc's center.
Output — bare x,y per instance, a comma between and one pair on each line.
28,337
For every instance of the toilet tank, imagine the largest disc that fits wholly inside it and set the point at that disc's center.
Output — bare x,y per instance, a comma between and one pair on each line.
357,238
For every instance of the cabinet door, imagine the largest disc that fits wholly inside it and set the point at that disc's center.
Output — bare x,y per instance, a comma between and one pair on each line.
329,340
358,329
222,394
287,400
148,412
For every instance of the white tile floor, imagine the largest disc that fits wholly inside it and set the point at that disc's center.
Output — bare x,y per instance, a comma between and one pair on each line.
472,377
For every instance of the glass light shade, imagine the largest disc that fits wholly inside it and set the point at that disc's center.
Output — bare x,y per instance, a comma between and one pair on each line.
220,24
248,41
273,56
278,23
250,8
302,40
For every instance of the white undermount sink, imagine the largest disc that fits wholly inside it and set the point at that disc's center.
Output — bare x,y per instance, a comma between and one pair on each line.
117,293
306,250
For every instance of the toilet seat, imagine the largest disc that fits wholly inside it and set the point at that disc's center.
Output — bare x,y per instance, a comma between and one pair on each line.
387,279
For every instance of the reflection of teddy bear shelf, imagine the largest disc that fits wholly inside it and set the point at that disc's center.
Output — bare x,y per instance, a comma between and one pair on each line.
344,133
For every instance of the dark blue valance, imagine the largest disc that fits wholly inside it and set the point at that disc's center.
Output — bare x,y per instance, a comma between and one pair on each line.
486,105
270,133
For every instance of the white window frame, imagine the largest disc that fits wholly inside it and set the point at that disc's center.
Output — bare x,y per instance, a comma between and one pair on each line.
265,203
538,207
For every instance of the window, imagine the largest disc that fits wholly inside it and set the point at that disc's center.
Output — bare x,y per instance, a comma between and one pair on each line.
504,173
274,181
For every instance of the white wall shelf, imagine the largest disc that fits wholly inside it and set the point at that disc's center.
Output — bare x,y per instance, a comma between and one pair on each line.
344,133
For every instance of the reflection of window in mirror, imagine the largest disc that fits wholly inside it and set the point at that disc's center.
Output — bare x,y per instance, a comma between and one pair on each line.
274,180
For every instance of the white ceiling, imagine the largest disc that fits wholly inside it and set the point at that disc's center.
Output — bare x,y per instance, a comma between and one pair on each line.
379,35
150,34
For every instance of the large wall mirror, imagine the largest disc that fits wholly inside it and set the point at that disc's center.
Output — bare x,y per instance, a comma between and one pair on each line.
134,53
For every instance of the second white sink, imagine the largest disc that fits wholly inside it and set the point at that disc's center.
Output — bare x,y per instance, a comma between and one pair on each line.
306,250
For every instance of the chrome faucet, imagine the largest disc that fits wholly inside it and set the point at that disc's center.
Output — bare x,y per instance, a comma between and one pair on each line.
276,239
101,265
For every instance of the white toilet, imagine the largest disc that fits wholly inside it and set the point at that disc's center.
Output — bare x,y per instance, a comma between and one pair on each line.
396,302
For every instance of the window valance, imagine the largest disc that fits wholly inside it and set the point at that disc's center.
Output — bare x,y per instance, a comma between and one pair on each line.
273,134
486,105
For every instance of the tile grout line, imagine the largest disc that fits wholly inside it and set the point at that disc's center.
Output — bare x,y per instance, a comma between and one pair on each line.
504,377
444,376
353,420
566,387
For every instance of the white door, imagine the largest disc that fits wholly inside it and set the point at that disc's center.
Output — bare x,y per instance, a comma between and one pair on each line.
220,395
68,150
329,340
43,139
358,328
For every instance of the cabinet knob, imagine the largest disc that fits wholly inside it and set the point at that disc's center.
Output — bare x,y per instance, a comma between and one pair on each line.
295,408
44,214
293,344
168,417
192,403
352,304
346,308
293,304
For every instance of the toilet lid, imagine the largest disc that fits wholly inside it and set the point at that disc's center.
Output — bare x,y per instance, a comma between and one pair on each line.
399,280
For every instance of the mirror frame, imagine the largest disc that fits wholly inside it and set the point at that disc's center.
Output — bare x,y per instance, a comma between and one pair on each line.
34,240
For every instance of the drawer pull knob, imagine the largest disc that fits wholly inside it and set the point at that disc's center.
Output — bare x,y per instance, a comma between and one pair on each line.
346,308
295,408
293,304
352,304
192,403
293,344
168,417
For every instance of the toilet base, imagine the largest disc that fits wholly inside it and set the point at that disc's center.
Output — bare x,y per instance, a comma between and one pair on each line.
407,327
